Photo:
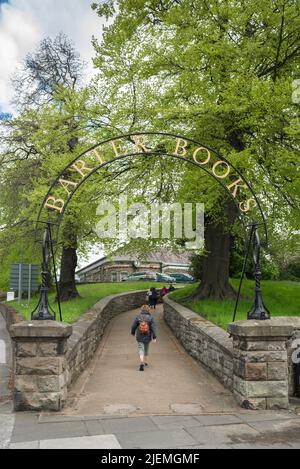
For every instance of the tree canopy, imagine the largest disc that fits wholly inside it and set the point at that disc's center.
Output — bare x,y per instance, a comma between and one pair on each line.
218,72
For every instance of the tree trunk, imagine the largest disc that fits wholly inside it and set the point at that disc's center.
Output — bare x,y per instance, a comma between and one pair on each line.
215,266
67,285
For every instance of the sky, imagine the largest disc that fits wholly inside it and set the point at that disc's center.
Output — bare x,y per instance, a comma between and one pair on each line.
24,23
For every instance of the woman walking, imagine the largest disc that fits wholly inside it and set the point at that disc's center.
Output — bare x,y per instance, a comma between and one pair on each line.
153,296
144,328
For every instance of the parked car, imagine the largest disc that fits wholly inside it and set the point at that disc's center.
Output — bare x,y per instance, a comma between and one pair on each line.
182,278
140,276
164,278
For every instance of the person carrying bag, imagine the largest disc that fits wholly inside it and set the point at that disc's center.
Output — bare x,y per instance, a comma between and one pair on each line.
144,329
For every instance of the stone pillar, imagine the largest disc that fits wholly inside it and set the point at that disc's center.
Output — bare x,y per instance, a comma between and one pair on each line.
260,379
40,368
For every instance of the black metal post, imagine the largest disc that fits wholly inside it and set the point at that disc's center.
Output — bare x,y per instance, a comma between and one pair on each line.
243,273
259,310
55,274
43,313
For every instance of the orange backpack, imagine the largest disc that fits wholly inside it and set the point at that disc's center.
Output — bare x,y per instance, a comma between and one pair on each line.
144,326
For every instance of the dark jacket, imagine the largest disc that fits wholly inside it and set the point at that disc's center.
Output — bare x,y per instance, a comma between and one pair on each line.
135,328
153,294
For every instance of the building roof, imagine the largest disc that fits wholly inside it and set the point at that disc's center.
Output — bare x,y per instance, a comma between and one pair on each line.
164,257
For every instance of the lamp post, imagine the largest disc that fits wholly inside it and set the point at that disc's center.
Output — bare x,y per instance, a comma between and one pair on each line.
43,313
259,310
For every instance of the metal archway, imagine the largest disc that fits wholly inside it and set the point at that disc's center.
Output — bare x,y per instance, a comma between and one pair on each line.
158,144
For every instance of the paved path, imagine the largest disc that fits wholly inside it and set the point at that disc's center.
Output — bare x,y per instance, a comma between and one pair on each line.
173,384
246,429
117,407
7,422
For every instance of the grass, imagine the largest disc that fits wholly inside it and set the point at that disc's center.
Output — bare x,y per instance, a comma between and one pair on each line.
281,298
89,295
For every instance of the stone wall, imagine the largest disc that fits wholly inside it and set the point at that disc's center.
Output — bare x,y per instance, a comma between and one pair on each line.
10,315
49,355
256,363
40,366
261,363
204,341
88,331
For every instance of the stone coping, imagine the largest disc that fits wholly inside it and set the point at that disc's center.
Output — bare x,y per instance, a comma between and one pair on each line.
47,328
40,329
101,304
271,328
212,331
84,321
